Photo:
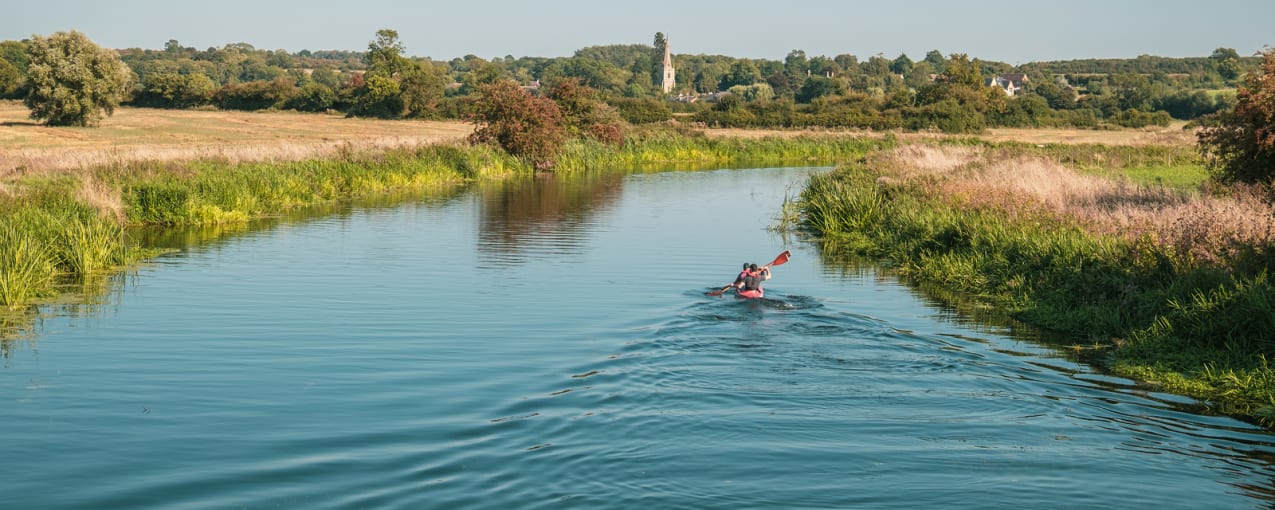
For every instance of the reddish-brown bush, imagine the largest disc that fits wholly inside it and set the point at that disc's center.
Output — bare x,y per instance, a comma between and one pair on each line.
527,127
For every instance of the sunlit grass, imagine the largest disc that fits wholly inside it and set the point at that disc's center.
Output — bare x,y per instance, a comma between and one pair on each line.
1177,279
27,264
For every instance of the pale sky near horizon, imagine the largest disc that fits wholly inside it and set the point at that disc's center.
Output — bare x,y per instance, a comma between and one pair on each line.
1016,32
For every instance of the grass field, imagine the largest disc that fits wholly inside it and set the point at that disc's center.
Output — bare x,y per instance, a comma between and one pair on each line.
143,134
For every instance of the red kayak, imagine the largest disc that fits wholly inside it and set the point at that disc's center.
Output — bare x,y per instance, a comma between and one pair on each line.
750,294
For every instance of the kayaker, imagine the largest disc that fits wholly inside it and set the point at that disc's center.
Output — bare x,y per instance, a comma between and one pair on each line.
749,281
743,273
751,278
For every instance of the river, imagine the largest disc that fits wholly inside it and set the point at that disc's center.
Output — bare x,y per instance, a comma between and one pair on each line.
549,344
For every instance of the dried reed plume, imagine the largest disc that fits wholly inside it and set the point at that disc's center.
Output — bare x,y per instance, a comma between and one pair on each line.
102,197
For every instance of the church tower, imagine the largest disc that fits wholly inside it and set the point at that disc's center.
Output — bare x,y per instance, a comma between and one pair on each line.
669,80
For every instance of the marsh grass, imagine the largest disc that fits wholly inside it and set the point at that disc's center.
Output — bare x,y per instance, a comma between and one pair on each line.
662,147
211,192
27,264
88,245
1176,281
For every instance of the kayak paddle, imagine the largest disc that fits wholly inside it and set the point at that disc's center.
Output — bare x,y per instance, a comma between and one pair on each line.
780,260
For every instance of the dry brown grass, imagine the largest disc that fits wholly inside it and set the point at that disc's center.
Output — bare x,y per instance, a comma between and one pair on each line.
106,199
1204,228
1173,134
136,134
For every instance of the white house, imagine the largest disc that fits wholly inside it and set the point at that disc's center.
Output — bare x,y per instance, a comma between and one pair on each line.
1009,83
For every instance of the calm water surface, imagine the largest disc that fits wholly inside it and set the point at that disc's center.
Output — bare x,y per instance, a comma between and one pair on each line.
549,345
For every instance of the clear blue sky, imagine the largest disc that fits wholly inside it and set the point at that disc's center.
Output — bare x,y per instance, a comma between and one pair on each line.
1010,31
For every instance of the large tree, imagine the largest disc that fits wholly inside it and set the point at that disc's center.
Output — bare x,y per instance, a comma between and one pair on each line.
1241,146
1227,61
395,86
422,88
73,82
385,54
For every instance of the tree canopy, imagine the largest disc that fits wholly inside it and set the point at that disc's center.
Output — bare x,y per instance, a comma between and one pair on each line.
72,81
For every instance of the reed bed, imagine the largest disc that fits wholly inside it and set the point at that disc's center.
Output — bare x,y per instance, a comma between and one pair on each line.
39,246
662,148
27,265
1175,281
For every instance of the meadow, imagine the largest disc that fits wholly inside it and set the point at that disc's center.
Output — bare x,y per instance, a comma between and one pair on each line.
158,135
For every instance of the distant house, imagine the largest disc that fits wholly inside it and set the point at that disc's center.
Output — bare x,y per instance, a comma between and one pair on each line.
1008,83
694,98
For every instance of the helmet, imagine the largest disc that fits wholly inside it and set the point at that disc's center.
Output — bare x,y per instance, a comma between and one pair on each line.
745,265
753,267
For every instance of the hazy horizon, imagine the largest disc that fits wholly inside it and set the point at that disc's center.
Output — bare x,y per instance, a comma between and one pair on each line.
998,30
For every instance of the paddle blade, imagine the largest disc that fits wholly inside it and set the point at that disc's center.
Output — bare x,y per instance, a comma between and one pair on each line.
781,259
720,291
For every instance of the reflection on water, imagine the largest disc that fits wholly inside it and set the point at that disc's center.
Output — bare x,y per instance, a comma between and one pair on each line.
17,329
547,213
84,297
184,238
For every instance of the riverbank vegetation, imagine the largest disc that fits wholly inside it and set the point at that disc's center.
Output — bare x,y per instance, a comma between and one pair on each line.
1173,281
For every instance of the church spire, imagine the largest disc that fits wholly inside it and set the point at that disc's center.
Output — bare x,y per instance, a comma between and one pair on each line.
670,76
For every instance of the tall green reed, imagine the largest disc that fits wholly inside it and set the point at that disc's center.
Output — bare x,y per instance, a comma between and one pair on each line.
27,262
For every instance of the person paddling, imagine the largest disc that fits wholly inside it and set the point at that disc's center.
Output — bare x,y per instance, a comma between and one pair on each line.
750,284
749,280
743,273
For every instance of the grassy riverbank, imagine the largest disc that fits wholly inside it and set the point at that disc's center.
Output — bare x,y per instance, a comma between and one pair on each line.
1171,281
59,225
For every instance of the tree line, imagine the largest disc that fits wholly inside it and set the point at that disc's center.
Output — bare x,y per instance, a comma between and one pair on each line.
948,93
